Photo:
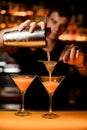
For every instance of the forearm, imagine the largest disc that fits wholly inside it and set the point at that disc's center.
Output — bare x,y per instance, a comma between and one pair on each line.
2,33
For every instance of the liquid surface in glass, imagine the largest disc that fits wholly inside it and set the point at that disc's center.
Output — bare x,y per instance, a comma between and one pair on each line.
22,82
50,86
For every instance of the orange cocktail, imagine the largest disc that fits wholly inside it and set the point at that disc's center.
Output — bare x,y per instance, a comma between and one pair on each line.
50,86
22,82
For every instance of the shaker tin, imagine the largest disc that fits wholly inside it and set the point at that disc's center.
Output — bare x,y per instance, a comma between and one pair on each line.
25,38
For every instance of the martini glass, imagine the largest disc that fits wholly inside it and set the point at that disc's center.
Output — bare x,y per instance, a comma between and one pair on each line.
51,87
49,66
22,81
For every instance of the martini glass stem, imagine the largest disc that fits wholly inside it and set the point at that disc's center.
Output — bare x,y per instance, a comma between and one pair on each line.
22,109
49,76
50,103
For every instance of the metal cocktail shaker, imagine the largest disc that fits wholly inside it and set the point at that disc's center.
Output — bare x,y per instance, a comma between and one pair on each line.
25,38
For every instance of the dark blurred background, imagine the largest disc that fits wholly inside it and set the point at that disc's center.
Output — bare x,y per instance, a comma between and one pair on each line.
12,11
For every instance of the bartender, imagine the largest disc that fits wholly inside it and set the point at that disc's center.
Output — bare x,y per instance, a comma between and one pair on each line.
73,63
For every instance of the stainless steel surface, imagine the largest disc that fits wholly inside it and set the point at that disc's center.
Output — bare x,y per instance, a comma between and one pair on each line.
24,38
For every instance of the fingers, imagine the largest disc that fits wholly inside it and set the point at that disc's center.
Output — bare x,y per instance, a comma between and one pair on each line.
27,24
31,25
64,53
72,55
24,25
79,53
42,25
80,58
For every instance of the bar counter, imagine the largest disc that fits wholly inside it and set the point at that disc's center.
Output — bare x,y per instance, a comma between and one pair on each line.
67,120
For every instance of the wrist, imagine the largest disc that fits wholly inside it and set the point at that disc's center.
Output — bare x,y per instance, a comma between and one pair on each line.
79,68
83,66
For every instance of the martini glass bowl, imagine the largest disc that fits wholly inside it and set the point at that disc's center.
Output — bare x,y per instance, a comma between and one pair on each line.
50,65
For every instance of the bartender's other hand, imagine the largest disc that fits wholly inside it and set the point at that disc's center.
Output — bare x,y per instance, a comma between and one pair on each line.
31,25
73,55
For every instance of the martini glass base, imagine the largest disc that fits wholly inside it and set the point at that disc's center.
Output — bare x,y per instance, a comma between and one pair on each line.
22,113
50,115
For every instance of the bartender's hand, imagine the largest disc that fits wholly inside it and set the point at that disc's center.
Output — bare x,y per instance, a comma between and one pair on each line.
31,25
73,55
